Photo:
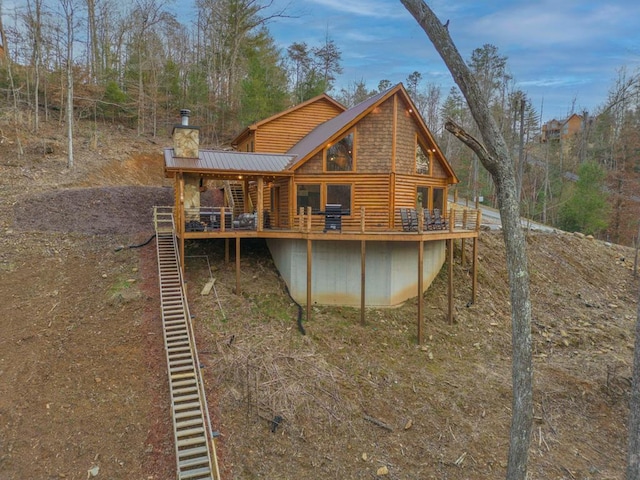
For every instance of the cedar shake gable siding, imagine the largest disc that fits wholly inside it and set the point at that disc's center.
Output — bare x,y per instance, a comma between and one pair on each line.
373,123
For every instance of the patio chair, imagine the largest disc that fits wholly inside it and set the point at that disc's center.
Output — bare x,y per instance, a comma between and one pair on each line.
409,219
428,220
439,222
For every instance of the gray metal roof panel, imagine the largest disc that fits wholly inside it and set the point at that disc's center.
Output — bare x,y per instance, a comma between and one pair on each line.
212,160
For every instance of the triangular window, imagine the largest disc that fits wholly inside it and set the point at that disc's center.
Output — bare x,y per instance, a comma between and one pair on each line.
423,159
340,155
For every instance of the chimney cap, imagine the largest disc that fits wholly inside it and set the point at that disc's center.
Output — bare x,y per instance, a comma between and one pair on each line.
185,112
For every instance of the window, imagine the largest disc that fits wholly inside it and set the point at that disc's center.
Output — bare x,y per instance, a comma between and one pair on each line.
339,194
422,197
438,199
308,196
423,159
340,155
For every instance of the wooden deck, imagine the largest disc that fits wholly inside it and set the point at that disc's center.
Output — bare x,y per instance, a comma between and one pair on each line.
460,224
205,224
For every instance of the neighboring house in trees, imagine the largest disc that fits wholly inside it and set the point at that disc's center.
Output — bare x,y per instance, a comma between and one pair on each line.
561,130
338,194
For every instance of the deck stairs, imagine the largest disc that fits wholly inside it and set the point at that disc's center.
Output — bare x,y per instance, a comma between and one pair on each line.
235,195
194,438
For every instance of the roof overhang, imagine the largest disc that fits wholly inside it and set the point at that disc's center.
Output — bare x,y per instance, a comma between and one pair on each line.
228,165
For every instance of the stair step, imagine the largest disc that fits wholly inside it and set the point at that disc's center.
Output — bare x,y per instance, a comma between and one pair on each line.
198,473
177,350
181,416
188,383
189,423
189,442
191,452
193,462
185,398
182,407
190,432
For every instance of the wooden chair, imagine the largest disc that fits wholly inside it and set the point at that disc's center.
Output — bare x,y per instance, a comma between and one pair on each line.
439,223
428,220
409,219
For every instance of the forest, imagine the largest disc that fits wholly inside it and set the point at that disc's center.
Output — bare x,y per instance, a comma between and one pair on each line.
135,65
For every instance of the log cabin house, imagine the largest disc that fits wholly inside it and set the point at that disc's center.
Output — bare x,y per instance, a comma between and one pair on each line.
344,198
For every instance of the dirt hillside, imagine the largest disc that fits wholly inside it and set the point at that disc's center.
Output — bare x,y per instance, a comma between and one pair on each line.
82,369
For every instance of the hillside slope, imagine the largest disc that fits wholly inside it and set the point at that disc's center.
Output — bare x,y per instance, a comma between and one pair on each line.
83,379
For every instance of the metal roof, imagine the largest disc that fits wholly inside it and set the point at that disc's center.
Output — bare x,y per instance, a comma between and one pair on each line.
222,160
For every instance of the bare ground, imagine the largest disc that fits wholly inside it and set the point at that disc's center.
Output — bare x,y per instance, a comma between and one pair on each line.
83,376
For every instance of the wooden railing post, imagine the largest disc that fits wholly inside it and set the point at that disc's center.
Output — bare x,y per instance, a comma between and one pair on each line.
309,218
301,218
420,219
362,219
452,219
223,219
463,259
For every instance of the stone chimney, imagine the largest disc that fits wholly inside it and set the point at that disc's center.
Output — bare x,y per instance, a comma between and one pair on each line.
186,139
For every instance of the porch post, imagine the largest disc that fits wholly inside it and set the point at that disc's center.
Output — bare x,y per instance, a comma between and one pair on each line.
237,265
309,253
474,271
181,220
363,263
260,207
474,284
450,295
420,287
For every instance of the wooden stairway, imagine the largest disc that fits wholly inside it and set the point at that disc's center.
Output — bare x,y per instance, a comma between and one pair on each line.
235,197
194,443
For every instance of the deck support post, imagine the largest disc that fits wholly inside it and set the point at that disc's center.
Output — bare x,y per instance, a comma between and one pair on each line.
237,265
363,263
474,271
226,251
420,287
450,289
309,253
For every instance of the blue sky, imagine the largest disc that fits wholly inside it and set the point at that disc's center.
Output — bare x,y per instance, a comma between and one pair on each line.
561,53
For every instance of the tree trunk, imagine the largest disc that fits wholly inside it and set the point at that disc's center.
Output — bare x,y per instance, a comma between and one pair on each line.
68,7
4,53
495,158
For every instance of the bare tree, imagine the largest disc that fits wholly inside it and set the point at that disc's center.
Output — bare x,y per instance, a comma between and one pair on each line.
33,18
68,8
495,157
3,37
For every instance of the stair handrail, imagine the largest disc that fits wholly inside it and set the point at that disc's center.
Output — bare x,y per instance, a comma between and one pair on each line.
199,379
211,452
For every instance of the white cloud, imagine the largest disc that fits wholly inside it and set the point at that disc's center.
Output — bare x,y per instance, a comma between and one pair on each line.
367,8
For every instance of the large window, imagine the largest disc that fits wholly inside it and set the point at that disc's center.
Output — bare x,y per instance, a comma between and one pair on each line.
423,158
422,197
340,155
317,196
339,194
438,199
308,196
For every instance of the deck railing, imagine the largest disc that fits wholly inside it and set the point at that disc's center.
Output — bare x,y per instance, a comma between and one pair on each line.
209,219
